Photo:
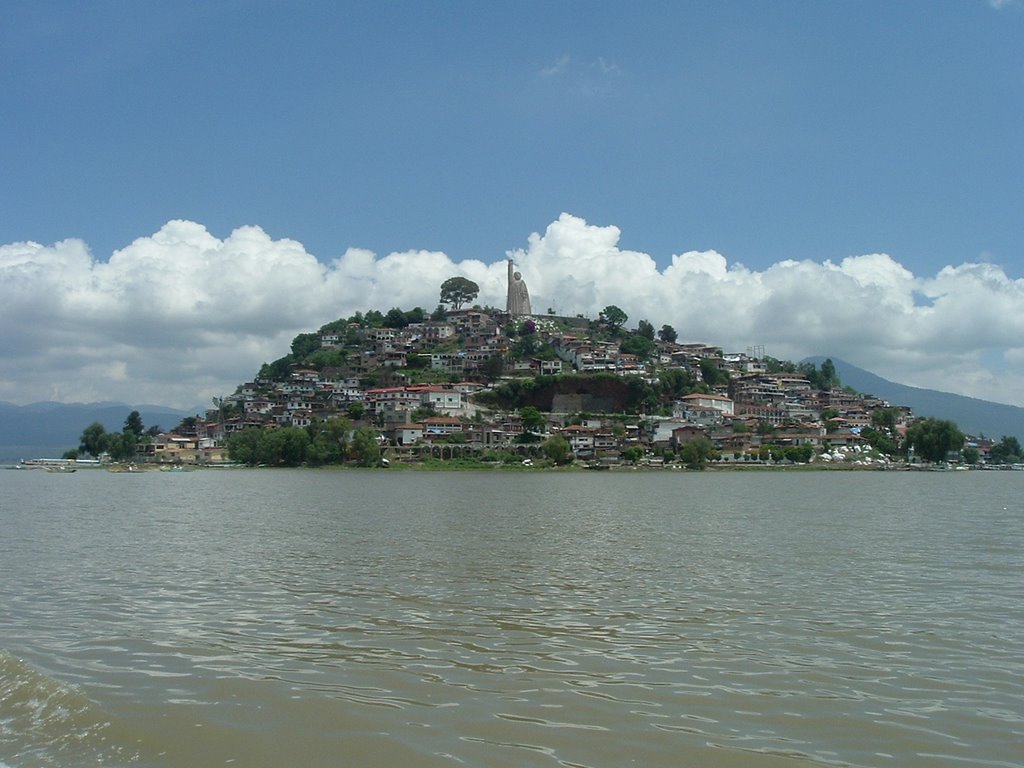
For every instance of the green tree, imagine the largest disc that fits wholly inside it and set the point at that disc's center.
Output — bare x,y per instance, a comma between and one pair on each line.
667,333
458,290
304,345
637,344
645,329
278,370
187,426
824,378
492,368
415,362
1006,451
242,446
365,449
328,440
695,453
557,449
641,397
425,411
799,454
772,365
327,358
285,446
395,318
373,319
829,416
613,317
712,374
884,418
94,440
880,440
934,439
633,454
134,425
829,378
533,419
970,455
675,383
121,446
525,346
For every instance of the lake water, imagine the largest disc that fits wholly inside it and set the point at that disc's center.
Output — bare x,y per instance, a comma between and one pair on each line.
364,619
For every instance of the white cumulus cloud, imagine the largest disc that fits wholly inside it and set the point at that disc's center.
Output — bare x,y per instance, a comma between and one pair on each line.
181,315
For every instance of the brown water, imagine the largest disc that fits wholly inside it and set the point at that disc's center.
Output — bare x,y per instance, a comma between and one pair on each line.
307,618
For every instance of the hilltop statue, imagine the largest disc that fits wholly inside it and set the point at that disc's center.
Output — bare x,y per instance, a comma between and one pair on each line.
518,297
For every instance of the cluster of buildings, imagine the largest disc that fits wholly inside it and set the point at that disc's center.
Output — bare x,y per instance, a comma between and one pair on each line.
416,385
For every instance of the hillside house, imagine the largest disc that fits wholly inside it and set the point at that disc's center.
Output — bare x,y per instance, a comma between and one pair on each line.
687,433
723,405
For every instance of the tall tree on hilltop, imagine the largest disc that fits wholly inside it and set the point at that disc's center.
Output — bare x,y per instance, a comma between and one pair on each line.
613,317
304,345
395,318
458,290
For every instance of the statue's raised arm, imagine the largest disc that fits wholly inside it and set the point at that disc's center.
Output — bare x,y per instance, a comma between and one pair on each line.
518,297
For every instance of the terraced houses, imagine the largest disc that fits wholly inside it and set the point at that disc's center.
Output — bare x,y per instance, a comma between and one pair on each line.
417,383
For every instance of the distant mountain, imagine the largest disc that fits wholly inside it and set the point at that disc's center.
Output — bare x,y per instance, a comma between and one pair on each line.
49,429
972,416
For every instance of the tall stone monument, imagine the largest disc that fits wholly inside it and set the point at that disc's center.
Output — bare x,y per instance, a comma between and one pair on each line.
518,297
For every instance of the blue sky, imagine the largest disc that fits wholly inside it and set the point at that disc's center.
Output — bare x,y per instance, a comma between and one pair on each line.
762,130
765,132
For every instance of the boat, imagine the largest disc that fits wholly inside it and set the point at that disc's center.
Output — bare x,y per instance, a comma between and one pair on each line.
50,465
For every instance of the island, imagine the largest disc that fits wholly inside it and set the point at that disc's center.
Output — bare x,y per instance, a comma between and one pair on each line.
476,386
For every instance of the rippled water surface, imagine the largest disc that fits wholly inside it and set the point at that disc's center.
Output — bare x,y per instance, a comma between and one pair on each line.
344,618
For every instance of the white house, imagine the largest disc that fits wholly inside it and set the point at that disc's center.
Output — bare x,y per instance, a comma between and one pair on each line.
717,402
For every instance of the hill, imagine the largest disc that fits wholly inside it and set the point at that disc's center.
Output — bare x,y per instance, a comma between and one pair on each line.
973,416
49,429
